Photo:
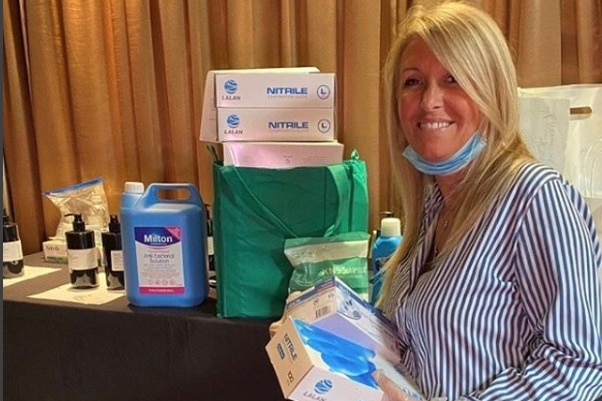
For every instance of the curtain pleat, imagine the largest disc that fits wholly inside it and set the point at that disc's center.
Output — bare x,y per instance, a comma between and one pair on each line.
19,142
581,41
360,124
114,88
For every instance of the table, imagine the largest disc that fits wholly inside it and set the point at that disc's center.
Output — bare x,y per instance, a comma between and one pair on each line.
64,351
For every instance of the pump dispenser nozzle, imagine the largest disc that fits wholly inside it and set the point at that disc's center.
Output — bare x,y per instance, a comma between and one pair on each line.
78,223
114,224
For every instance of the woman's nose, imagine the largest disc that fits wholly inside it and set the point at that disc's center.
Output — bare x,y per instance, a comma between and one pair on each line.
432,97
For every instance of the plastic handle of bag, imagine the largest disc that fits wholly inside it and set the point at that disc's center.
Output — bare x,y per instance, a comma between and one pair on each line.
150,196
340,177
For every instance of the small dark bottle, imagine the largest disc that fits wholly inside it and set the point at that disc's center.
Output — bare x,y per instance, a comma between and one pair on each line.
210,249
82,255
12,251
211,274
113,256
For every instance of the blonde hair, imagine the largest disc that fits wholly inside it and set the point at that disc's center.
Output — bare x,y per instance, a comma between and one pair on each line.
470,45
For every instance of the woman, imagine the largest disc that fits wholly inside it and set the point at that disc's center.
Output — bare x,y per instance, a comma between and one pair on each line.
494,289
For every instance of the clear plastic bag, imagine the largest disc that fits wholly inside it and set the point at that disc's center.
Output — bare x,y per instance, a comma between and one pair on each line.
87,198
316,258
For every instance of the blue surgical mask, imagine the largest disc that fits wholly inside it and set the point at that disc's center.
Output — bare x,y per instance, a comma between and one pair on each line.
456,162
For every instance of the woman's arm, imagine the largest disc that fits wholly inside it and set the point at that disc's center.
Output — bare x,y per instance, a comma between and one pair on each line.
558,257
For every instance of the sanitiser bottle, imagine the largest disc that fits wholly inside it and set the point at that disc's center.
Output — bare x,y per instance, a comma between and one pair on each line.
164,241
384,246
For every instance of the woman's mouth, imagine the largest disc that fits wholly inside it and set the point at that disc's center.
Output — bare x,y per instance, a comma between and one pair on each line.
434,125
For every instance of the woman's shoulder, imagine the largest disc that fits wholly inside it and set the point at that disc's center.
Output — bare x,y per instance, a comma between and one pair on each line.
531,176
535,172
528,181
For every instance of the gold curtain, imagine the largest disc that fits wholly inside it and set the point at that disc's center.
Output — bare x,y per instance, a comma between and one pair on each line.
113,88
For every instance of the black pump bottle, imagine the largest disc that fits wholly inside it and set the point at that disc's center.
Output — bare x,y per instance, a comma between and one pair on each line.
82,255
113,256
12,251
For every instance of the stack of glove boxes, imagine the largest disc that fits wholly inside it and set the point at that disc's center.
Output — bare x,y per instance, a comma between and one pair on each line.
272,118
283,168
329,345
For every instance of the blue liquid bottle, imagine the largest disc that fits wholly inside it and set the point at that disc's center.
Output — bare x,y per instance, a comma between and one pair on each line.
384,246
164,242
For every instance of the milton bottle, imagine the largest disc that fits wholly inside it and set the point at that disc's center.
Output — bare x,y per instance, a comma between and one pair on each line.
132,192
113,256
164,242
12,251
82,255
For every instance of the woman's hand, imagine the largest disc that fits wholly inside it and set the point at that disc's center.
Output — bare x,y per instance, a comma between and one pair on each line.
391,390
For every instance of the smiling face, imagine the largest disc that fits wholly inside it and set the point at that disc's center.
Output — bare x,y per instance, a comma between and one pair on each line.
436,114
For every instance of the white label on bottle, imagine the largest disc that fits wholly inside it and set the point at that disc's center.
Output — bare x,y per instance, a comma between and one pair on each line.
117,261
82,259
159,260
210,250
12,251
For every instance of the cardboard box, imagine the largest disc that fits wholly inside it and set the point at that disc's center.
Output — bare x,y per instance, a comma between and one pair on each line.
335,307
209,114
275,125
282,154
276,90
55,251
314,364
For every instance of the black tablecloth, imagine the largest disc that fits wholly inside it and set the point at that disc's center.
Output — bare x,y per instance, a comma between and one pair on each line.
66,351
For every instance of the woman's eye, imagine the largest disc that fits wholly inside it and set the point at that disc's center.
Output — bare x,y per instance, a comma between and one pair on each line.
451,79
410,82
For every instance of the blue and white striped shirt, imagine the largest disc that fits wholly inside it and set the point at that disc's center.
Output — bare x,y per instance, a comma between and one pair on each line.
515,312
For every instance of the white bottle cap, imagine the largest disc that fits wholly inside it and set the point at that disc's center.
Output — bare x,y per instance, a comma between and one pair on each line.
134,187
390,227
